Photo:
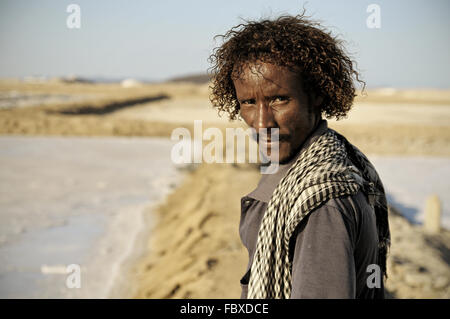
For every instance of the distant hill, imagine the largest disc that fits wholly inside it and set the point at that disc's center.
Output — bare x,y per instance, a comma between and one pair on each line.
193,78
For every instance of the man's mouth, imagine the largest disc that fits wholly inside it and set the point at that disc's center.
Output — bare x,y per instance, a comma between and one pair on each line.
269,145
269,140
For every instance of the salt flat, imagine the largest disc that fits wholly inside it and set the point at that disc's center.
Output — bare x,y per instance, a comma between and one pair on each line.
75,201
409,180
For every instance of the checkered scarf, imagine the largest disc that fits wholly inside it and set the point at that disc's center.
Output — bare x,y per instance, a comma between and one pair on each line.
329,168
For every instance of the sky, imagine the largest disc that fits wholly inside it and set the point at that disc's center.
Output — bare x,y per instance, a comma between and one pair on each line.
158,40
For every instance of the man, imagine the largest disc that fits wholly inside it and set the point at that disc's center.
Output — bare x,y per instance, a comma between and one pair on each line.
318,227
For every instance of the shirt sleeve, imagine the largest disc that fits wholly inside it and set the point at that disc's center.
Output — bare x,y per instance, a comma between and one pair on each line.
323,263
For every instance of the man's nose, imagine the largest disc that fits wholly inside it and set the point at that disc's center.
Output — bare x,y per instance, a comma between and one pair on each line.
264,118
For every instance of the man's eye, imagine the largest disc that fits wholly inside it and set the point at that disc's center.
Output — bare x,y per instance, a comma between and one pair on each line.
248,102
280,98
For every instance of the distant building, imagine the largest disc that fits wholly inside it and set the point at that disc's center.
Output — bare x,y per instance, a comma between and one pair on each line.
128,83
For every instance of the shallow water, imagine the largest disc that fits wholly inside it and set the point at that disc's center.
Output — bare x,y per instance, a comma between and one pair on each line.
80,201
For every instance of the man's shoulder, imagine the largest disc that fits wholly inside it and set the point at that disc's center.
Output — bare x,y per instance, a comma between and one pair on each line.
350,206
349,211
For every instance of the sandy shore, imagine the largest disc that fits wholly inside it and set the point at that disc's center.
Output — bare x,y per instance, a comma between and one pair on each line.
195,250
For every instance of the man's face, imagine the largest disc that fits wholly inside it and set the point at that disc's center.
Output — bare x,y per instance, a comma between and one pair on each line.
271,96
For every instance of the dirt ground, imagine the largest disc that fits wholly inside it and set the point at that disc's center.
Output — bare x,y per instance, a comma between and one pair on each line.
195,250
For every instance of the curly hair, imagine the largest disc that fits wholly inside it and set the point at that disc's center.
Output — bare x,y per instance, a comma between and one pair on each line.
290,41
